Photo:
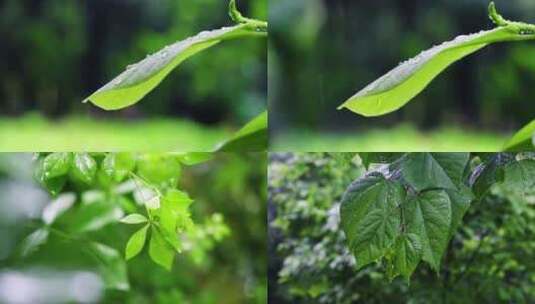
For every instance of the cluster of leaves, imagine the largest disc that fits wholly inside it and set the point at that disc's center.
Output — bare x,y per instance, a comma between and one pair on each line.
400,85
144,187
409,209
489,258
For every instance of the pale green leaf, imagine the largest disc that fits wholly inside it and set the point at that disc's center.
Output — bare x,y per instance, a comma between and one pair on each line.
429,216
118,165
56,164
195,158
159,168
396,88
523,140
91,217
136,243
370,217
141,78
84,167
111,266
252,137
32,242
160,251
133,219
57,207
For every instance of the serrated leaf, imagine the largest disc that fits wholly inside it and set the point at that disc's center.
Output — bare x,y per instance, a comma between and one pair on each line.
460,203
141,78
195,158
429,216
84,167
111,266
396,88
252,137
407,254
434,170
371,217
160,251
32,242
523,140
136,243
133,219
57,207
520,176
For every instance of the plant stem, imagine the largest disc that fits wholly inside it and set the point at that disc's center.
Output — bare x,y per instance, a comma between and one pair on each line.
237,17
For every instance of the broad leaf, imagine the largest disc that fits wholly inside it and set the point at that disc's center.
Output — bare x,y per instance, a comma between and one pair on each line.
434,170
252,137
133,219
111,266
429,216
84,167
460,202
520,176
141,78
523,140
118,165
489,173
136,243
393,90
407,254
160,251
32,242
371,217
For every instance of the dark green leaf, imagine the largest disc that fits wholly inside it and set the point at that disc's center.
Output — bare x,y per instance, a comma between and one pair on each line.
460,202
371,217
434,170
407,254
520,176
429,216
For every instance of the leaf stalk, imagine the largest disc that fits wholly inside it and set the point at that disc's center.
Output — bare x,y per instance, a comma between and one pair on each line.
236,16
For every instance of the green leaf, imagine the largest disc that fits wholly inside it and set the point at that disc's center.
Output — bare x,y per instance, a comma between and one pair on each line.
133,219
91,217
136,243
523,140
53,185
57,207
396,88
160,251
195,158
489,173
429,216
434,170
252,137
159,168
56,164
118,165
32,242
371,217
460,203
111,266
378,158
84,168
407,254
520,176
141,78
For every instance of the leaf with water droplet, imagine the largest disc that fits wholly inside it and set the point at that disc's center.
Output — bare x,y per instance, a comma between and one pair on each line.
141,78
396,88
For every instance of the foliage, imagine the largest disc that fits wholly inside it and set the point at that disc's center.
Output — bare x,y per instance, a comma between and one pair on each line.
487,259
523,139
130,188
253,136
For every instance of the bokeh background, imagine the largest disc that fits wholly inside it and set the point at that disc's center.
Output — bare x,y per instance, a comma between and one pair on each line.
55,53
489,260
322,52
233,271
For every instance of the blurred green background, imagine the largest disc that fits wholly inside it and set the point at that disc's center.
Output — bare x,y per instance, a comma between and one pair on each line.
323,52
57,52
489,260
234,271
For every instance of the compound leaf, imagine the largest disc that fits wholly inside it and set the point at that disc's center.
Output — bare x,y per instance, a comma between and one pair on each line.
371,217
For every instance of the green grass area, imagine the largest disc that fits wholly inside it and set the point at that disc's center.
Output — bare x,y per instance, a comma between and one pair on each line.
34,133
404,138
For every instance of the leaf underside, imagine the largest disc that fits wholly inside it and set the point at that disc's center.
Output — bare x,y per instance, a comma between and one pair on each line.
400,85
141,78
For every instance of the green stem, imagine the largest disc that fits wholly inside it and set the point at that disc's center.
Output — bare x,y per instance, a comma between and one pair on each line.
520,28
236,16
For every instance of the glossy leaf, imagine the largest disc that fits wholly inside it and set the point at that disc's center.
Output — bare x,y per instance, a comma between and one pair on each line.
252,137
429,216
84,167
118,165
370,217
136,243
523,140
111,266
396,88
160,251
141,78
